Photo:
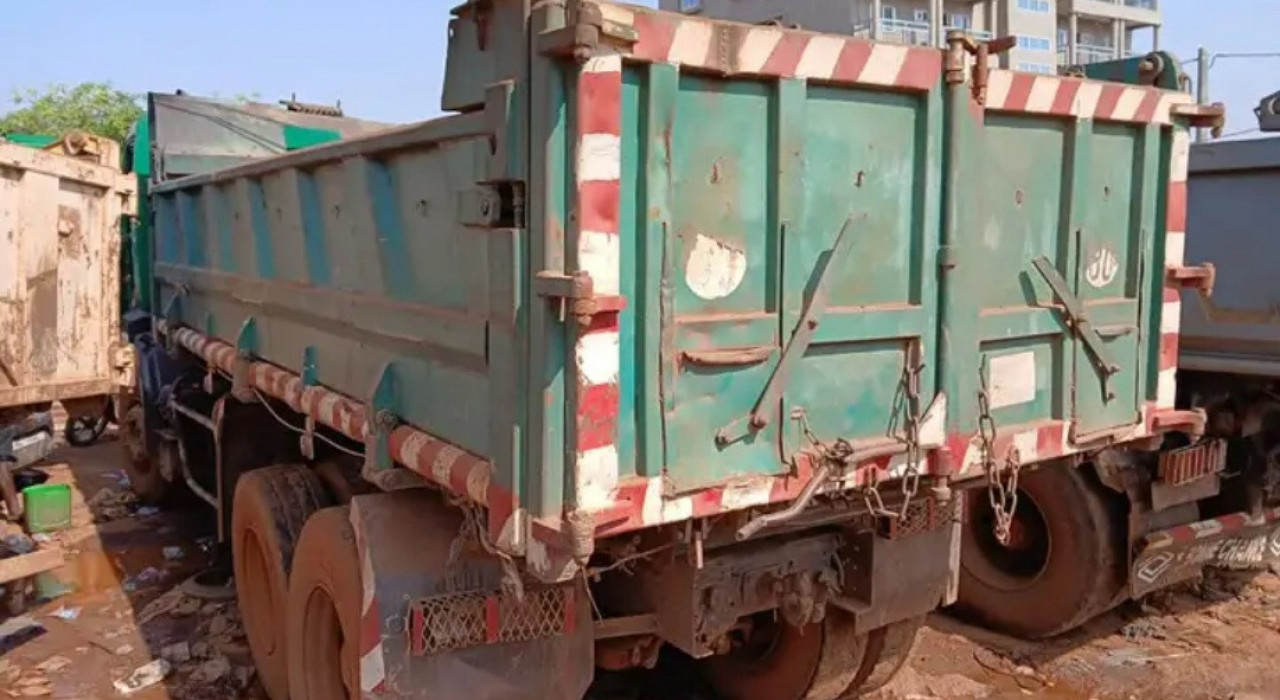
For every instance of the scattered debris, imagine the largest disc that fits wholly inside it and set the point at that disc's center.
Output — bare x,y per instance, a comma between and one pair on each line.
174,553
53,664
211,671
66,613
144,677
16,630
147,511
178,653
242,676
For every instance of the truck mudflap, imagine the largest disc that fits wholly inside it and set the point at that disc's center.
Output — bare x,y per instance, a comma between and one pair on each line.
1235,541
443,617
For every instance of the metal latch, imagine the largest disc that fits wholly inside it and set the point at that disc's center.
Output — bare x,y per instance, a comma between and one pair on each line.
1078,321
1212,117
959,43
1197,277
575,294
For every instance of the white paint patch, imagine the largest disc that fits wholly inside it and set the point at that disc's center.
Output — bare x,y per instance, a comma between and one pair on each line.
608,63
820,57
1027,443
884,64
442,465
1206,528
677,510
1011,379
1128,104
746,494
600,255
933,425
1164,111
1043,92
1175,248
691,43
999,83
599,158
756,49
412,449
597,477
616,13
511,536
598,357
1103,267
1167,388
714,269
651,509
372,670
1087,97
1180,157
328,402
478,484
1171,317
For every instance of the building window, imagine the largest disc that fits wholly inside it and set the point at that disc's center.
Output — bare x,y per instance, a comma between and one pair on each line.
1040,6
888,12
691,6
957,20
920,15
1034,43
1035,68
1064,38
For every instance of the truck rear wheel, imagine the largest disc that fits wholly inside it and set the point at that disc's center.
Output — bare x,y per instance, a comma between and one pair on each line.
887,651
323,628
270,507
1059,568
778,661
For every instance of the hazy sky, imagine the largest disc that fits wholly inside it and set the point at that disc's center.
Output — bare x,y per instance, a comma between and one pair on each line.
385,59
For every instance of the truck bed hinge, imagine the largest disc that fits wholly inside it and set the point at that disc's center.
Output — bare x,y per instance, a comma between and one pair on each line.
1198,277
958,44
1078,321
495,205
584,31
1213,116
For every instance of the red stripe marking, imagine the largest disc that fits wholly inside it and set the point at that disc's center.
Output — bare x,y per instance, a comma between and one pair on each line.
1177,214
1019,92
786,55
492,620
597,416
502,504
657,32
921,70
370,629
570,610
459,472
600,103
853,58
708,502
1049,441
1168,351
1108,100
417,631
598,206
602,322
1172,294
1150,102
1066,96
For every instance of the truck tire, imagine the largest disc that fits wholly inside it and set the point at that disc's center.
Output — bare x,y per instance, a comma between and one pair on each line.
888,649
1061,566
323,629
818,662
269,509
148,484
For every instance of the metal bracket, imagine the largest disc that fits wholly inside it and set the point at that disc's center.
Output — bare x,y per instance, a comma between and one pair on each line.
307,441
246,348
1077,320
575,293
384,401
172,320
1213,117
803,335
583,33
982,51
480,207
1198,277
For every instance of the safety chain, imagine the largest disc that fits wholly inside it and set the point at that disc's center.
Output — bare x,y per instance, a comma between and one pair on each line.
837,455
911,477
1003,495
473,530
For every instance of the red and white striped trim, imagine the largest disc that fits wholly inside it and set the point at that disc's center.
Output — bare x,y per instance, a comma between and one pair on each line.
730,48
1013,91
1174,255
439,461
373,669
596,357
1214,527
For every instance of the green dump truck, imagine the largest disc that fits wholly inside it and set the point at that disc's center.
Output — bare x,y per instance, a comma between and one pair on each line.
673,334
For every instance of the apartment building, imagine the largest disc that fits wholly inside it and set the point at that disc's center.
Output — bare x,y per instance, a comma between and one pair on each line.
1051,33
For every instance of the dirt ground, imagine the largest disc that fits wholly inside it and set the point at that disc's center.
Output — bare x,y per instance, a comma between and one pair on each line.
1217,639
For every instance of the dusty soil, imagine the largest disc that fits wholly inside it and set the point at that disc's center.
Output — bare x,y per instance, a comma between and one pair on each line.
1216,640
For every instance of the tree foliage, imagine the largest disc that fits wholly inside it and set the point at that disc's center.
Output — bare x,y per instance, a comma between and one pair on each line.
94,107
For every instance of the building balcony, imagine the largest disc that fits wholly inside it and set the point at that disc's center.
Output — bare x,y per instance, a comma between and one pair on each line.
1137,13
1091,53
912,33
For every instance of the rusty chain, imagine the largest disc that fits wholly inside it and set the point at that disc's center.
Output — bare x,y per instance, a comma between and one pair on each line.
1002,495
911,476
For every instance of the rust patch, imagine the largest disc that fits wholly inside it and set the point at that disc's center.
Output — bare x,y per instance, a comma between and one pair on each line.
70,232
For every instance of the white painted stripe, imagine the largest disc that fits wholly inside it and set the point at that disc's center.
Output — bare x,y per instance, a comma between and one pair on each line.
600,255
1171,317
746,494
1164,111
884,64
327,404
651,509
677,510
1043,92
1167,388
372,670
478,483
999,82
607,63
442,465
1175,248
1027,443
616,13
1085,106
1180,157
596,477
933,427
1128,104
756,48
412,449
597,357
367,582
510,536
692,43
599,158
820,57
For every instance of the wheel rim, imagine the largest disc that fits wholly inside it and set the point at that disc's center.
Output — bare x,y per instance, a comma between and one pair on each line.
84,429
769,659
259,596
1019,563
325,651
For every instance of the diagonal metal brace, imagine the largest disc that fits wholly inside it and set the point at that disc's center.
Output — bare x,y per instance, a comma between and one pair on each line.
765,406
1076,318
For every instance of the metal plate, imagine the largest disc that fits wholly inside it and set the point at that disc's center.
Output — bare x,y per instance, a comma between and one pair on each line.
1235,542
